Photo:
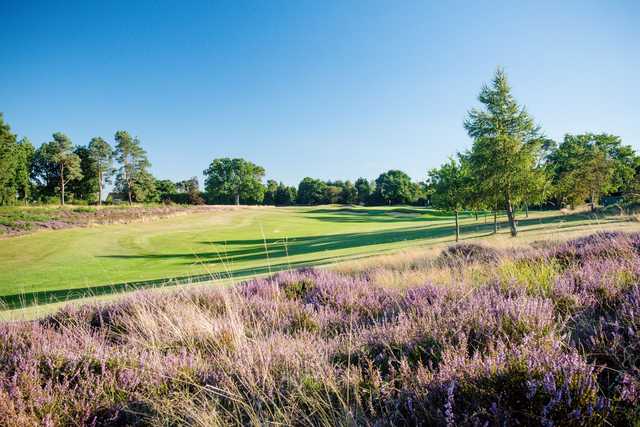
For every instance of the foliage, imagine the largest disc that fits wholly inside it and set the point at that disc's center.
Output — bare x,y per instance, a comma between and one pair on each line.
165,188
451,188
365,190
395,187
87,186
311,192
349,193
450,183
285,195
15,162
587,166
102,155
505,148
132,177
234,181
270,192
58,164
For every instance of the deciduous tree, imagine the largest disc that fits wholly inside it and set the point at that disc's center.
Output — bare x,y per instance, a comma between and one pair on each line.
311,192
395,187
234,180
451,184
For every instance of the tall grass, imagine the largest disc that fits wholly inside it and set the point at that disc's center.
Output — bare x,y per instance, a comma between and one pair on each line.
544,335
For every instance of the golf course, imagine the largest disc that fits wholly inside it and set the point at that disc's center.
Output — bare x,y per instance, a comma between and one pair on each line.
232,244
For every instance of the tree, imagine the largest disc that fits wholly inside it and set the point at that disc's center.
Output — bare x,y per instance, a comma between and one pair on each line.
311,192
234,180
133,162
193,191
66,163
24,158
86,186
450,185
270,192
584,166
365,189
395,187
15,164
8,147
332,194
165,188
191,187
143,188
101,154
285,195
505,147
349,193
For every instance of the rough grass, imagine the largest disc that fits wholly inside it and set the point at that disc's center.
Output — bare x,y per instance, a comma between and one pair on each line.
542,335
19,220
230,244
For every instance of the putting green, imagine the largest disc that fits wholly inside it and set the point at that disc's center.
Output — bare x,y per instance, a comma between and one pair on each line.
225,244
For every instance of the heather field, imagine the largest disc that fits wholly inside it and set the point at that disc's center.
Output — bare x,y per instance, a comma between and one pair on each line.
538,334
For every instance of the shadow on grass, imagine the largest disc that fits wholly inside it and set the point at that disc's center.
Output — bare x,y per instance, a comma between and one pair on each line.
277,254
28,299
375,215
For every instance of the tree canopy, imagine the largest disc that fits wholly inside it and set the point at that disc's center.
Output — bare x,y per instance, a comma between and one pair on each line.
234,180
133,178
395,187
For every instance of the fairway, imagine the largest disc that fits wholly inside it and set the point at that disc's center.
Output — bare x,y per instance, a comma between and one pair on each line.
230,244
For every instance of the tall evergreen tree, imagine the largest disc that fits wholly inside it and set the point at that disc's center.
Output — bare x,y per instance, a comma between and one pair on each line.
133,165
64,161
102,155
505,148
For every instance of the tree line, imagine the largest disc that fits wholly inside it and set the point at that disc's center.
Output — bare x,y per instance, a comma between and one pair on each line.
511,165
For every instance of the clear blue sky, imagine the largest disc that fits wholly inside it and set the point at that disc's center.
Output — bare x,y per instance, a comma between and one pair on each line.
324,89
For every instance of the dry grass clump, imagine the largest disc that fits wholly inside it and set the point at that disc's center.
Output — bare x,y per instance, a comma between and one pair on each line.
481,336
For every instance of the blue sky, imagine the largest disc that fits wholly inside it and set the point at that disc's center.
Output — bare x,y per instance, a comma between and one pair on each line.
325,89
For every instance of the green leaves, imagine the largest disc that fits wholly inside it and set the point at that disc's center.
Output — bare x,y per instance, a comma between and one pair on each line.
234,180
133,178
503,159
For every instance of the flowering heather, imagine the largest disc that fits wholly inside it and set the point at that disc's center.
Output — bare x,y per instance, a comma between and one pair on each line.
546,336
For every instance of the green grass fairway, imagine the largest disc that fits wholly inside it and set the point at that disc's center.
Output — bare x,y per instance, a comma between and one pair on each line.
233,244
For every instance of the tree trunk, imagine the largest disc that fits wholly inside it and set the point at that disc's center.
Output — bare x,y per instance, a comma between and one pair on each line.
62,185
495,221
457,227
593,202
127,177
99,188
476,213
526,210
512,218
237,199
